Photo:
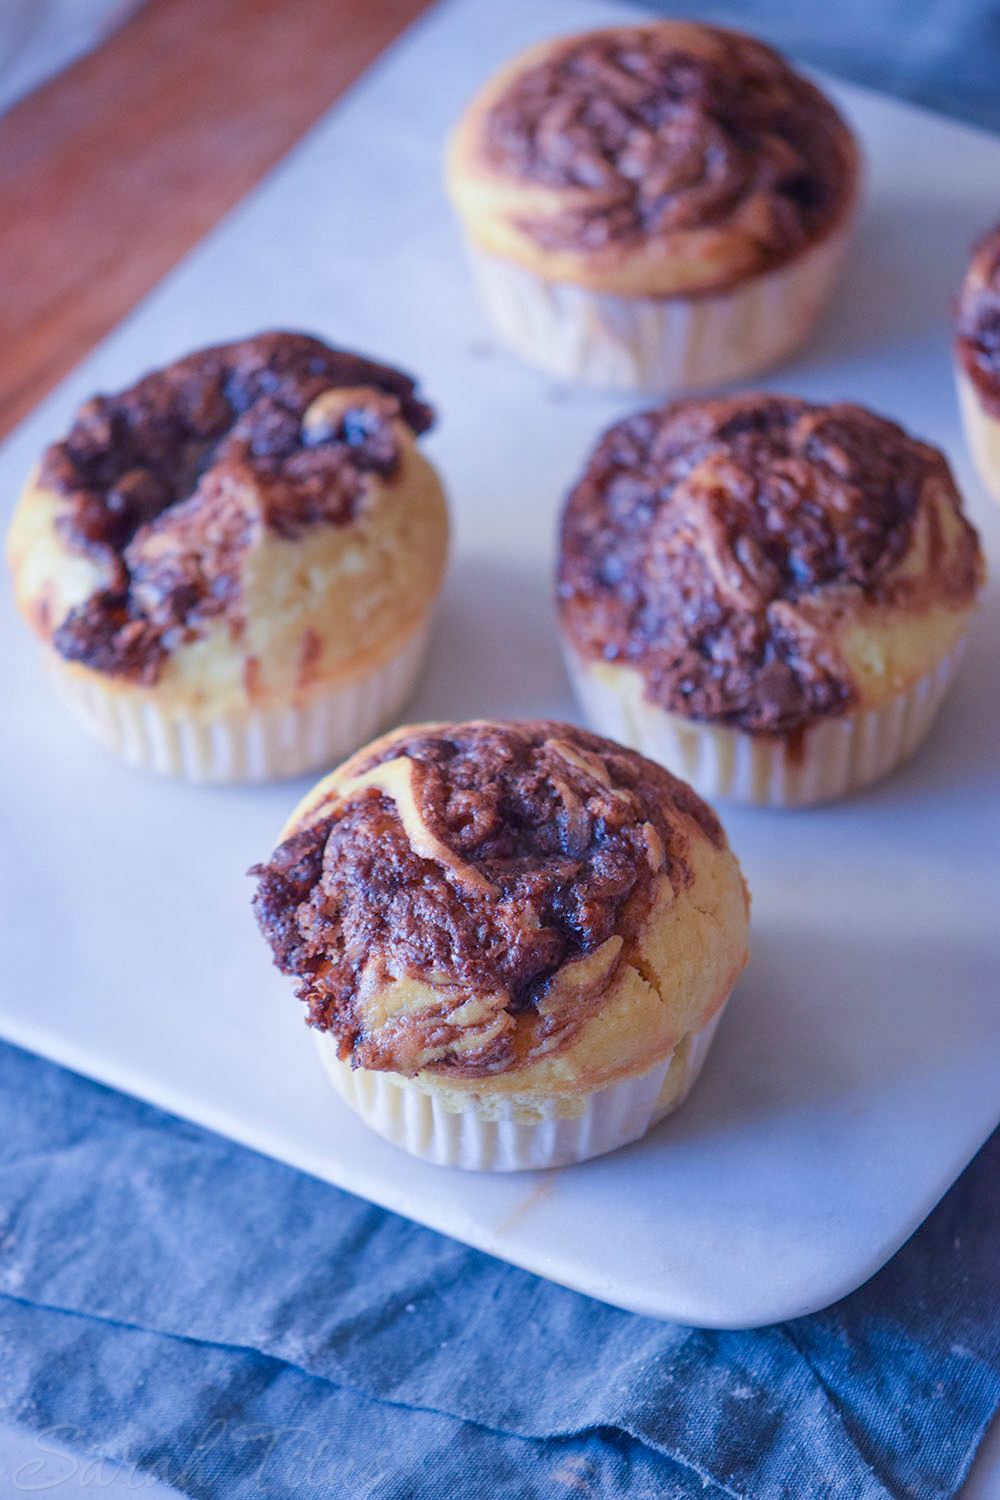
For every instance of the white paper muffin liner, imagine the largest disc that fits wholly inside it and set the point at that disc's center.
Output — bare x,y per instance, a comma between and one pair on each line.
547,1135
982,433
667,344
834,757
263,746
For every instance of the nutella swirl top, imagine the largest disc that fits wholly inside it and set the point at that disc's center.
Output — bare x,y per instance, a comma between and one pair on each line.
715,546
672,127
509,866
167,482
977,320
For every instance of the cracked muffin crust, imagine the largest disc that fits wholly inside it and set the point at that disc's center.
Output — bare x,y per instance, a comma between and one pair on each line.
761,564
241,533
491,909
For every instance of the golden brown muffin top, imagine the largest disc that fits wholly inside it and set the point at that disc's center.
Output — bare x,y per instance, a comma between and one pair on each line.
484,859
168,482
977,320
653,135
698,531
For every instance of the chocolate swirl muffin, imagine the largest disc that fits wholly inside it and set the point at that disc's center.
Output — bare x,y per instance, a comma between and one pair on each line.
677,186
663,136
977,357
231,563
498,926
743,583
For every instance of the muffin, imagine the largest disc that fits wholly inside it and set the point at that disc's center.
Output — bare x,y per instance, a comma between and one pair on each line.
514,940
767,596
977,357
231,566
659,206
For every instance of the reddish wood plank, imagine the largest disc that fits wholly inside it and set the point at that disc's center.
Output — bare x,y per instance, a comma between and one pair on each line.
109,173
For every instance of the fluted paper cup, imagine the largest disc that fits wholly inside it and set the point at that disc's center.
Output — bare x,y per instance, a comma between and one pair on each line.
245,747
666,344
830,758
505,1134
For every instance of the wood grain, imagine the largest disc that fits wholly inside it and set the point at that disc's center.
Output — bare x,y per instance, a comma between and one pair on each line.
112,171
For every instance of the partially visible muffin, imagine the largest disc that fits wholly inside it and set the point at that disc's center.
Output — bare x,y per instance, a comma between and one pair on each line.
768,596
514,939
231,565
977,353
653,206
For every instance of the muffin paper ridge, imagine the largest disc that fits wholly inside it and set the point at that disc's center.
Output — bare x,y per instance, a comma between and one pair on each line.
249,747
837,756
669,344
417,1120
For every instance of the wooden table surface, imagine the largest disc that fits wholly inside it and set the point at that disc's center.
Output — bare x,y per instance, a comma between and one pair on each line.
115,168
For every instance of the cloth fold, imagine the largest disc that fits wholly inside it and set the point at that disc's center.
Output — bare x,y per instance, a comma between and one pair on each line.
156,1279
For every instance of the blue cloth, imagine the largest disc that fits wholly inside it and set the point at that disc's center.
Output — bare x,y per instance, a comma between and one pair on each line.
944,54
228,1324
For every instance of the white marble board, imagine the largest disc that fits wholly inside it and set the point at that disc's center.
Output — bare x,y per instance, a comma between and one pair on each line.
856,1071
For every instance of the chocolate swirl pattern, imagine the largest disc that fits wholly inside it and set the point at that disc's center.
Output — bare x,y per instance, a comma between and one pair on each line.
655,130
167,484
507,866
718,546
658,207
977,321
